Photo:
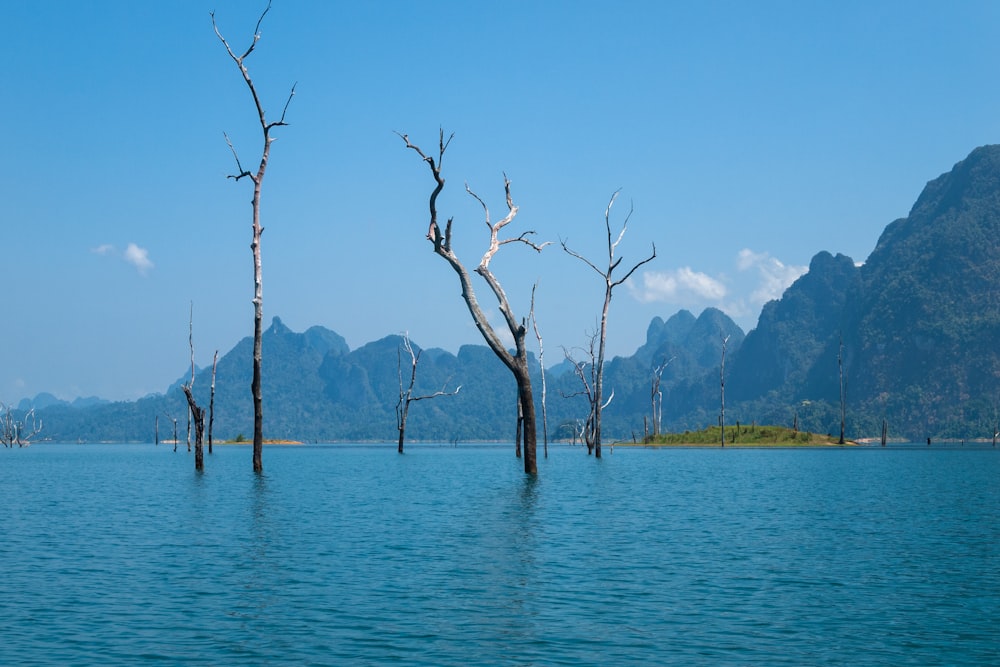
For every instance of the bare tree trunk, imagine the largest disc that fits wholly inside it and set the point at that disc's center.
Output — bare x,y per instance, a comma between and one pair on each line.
541,364
257,179
609,285
403,407
199,428
656,396
722,391
211,402
517,362
517,431
528,421
406,396
195,412
843,389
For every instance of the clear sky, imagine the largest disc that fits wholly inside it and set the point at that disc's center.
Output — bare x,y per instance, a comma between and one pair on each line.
747,137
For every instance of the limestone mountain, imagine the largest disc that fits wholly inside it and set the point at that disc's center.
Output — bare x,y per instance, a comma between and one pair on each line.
925,321
917,327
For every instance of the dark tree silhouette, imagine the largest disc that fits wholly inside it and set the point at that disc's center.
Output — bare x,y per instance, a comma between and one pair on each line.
195,413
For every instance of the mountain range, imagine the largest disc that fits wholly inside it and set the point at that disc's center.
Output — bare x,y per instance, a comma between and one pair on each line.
913,334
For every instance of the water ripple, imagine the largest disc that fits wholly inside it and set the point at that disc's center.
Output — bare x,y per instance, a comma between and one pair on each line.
124,555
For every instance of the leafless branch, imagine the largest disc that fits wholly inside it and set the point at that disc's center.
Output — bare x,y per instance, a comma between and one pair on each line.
242,172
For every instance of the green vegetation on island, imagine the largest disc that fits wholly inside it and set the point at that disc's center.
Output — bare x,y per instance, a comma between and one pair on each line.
744,436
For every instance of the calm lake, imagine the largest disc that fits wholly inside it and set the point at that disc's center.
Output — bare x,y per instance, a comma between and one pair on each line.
122,554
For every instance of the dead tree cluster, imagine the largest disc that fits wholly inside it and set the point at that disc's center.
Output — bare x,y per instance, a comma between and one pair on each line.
587,372
18,431
515,360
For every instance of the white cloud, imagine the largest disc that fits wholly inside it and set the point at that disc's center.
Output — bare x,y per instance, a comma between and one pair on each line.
774,276
739,296
133,254
681,286
139,258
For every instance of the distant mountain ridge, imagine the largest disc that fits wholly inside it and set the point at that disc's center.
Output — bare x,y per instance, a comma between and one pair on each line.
915,330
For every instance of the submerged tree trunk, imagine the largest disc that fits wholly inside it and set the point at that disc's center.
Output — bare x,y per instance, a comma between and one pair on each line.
722,391
194,412
517,431
528,421
257,179
516,362
541,366
406,396
597,396
198,415
843,389
211,402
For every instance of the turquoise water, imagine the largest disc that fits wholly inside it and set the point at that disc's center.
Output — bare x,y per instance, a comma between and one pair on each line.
451,556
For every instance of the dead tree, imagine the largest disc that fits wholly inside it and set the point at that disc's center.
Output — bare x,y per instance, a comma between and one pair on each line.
195,413
843,388
541,364
174,420
586,372
406,396
257,179
516,362
656,396
722,390
609,284
16,431
211,402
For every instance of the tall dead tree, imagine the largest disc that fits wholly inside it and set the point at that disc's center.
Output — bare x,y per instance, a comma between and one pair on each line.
211,402
516,362
257,179
195,413
607,275
722,390
656,396
541,365
406,395
843,388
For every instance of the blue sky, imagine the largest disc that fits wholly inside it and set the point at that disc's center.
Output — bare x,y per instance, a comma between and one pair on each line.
747,137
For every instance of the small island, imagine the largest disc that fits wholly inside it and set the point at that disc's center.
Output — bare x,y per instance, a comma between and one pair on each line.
744,436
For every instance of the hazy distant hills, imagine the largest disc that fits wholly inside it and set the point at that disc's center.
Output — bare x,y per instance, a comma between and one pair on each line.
919,322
